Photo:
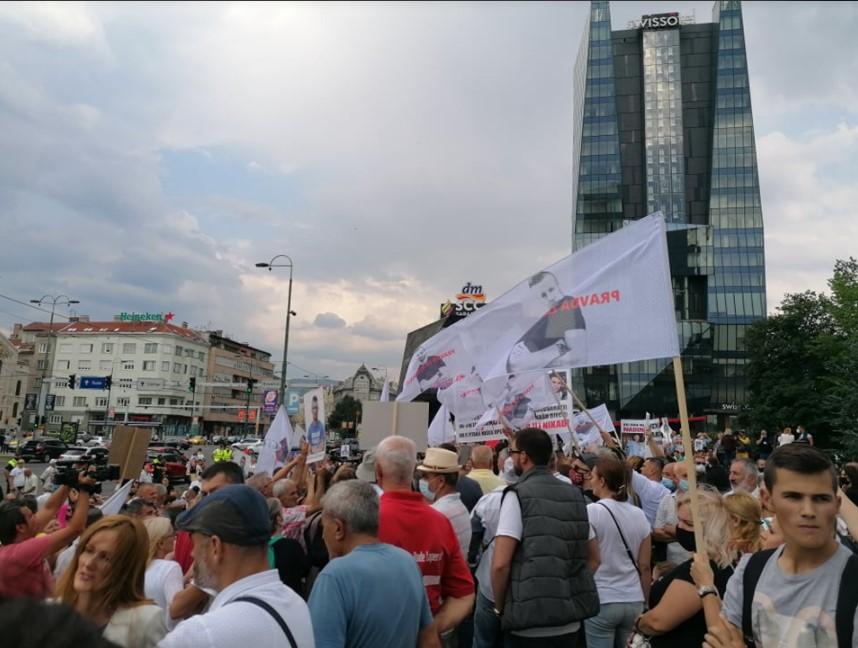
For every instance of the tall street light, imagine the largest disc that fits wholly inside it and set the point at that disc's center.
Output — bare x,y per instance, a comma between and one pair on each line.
270,265
44,389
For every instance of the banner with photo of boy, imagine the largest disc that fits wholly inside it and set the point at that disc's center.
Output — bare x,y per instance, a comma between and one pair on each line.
608,303
314,419
588,432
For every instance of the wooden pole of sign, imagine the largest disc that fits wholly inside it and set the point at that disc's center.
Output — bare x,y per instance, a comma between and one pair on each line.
689,455
584,409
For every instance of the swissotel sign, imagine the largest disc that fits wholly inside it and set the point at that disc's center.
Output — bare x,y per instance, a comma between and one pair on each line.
660,21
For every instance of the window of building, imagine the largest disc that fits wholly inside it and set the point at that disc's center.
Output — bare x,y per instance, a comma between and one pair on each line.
123,402
43,347
128,365
161,401
177,368
18,388
189,353
148,365
165,366
129,347
101,401
66,347
107,347
79,401
200,355
62,364
184,369
59,401
86,348
14,410
55,418
41,364
178,350
144,400
150,347
166,349
126,383
175,401
104,365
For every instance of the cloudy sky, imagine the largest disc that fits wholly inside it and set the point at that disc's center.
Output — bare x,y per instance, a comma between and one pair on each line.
151,154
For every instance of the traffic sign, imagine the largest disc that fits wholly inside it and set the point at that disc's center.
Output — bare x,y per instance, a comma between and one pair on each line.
93,382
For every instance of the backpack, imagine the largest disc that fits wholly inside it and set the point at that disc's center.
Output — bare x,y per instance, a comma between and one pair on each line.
847,597
317,552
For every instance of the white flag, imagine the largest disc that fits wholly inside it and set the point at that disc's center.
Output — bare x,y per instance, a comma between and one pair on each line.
441,430
113,504
279,439
608,303
385,392
587,431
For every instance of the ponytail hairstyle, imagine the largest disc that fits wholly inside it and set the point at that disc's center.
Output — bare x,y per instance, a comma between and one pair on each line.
615,474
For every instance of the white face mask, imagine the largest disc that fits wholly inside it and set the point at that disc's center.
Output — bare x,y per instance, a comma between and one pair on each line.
426,491
509,475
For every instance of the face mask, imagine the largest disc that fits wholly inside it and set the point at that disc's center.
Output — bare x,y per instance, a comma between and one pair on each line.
668,484
683,486
425,492
686,539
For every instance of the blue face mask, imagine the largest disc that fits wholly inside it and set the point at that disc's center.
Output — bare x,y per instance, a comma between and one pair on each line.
668,484
425,492
683,486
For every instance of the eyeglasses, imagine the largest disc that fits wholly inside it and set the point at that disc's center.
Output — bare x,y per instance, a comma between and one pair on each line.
515,451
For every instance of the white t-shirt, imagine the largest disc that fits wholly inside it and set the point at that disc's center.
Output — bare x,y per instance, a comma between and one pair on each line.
667,515
617,578
488,512
17,475
651,494
453,509
785,438
510,524
163,582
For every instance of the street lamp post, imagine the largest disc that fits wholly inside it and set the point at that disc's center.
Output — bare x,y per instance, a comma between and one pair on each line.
44,388
270,265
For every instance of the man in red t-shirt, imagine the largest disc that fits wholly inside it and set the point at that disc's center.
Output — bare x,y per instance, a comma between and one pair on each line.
408,522
23,569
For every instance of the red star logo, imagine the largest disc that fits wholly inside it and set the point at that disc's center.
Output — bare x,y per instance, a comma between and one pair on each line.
168,317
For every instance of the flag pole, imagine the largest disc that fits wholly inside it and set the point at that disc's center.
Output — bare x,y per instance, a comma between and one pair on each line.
689,454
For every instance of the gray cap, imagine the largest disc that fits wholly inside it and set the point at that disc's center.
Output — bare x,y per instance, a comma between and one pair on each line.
366,470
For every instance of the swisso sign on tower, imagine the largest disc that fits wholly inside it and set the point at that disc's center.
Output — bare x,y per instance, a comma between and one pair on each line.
607,303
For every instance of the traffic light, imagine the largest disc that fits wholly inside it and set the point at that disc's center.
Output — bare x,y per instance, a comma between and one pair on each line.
192,383
108,382
72,381
250,383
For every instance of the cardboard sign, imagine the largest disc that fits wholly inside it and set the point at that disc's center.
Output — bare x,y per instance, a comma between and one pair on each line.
128,450
382,420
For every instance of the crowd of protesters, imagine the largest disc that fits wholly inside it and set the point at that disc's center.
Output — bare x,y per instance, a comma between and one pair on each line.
512,545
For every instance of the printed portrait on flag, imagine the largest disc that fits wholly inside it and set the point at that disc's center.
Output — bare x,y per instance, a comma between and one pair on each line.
559,337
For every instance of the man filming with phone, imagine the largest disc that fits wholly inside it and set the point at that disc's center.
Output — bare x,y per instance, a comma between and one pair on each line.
24,570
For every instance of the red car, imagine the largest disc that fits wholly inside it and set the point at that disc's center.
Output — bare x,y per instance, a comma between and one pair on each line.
172,462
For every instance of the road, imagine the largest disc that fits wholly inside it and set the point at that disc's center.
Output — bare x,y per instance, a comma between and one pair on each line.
109,486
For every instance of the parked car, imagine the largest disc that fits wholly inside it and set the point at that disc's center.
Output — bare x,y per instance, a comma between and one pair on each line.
173,462
40,450
177,442
197,440
93,456
234,438
73,454
248,444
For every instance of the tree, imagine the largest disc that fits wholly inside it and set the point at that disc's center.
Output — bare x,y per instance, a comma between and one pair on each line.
346,411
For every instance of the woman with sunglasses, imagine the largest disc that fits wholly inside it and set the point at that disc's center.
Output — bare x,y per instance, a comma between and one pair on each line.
105,583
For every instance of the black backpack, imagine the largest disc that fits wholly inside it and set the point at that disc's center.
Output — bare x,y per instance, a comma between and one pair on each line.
847,597
317,552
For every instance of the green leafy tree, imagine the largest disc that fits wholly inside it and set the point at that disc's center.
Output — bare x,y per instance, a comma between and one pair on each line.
348,410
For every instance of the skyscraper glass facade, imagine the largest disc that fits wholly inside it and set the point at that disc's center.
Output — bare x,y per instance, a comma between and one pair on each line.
667,126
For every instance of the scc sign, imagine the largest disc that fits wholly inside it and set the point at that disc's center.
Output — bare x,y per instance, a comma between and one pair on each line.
467,301
660,21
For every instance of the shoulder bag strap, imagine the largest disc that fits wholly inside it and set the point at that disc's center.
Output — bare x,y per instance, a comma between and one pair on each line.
847,601
279,619
750,578
620,531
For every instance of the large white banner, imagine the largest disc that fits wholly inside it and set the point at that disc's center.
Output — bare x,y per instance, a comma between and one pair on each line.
553,419
607,303
314,419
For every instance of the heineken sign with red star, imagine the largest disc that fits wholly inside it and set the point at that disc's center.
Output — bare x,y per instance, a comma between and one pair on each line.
143,317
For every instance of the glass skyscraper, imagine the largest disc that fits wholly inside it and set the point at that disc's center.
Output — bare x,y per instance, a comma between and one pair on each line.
663,122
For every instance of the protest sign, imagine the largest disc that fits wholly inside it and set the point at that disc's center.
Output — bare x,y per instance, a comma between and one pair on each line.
314,416
128,450
380,420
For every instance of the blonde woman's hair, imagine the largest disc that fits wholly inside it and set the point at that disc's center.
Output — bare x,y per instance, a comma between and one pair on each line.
157,528
746,513
124,581
716,524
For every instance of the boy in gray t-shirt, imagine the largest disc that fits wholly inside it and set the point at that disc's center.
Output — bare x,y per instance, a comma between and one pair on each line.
795,610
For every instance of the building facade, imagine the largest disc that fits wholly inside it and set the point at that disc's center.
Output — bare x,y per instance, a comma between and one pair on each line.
150,365
234,363
663,122
16,377
363,386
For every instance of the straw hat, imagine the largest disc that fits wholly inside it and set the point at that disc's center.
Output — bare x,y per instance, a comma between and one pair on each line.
438,460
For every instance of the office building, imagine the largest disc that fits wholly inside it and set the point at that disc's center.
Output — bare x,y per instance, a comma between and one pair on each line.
663,122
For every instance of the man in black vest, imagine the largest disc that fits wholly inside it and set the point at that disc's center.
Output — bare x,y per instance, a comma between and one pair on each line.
541,584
